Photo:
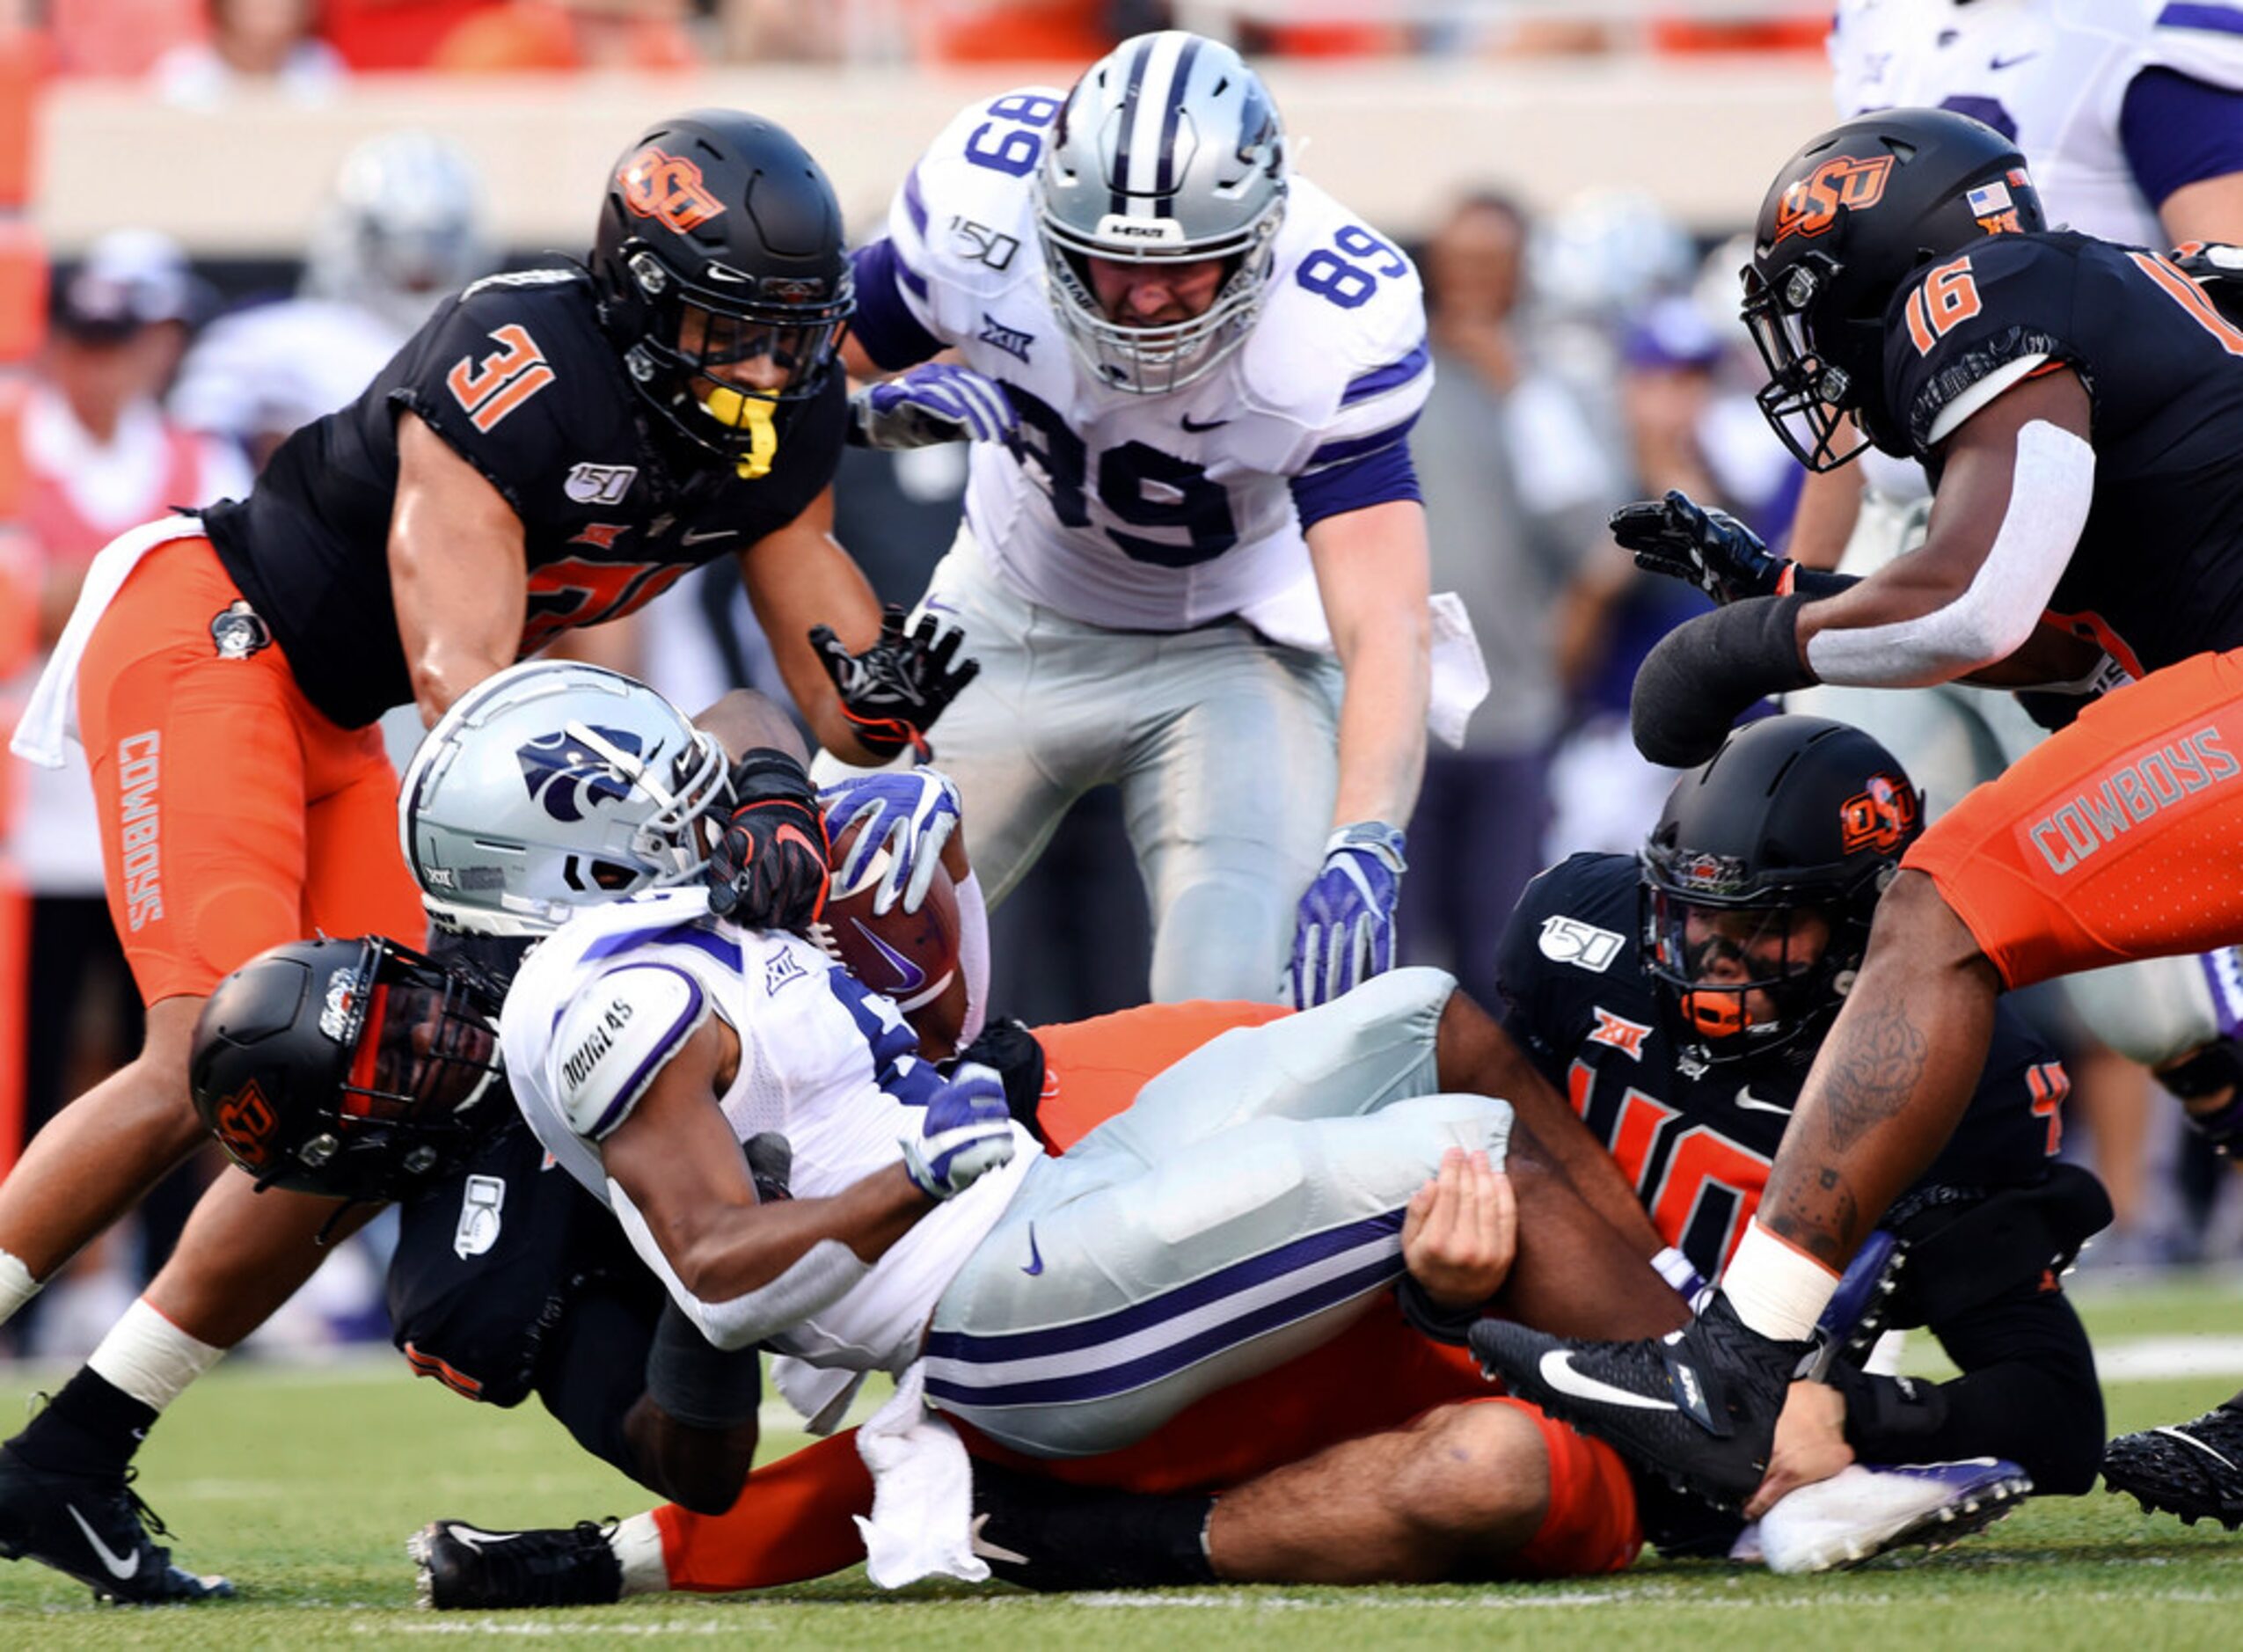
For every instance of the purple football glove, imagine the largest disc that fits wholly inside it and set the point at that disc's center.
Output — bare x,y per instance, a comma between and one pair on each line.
909,814
1344,931
965,1133
933,404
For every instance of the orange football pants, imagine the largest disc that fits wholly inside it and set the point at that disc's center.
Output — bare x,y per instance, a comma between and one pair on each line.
2117,838
793,1519
234,815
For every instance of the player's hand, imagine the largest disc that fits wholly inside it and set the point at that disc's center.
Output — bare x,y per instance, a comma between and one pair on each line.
1460,1232
910,815
893,692
929,405
1700,546
965,1132
1810,1446
1343,930
768,870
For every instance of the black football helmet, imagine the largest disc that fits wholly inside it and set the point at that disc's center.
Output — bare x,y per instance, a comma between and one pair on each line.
1793,815
720,242
1846,221
356,1069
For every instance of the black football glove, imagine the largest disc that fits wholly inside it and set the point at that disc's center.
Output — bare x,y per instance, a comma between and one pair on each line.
893,692
768,870
1700,546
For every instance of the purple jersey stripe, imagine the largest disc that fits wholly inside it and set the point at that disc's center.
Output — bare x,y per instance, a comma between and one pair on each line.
1334,491
1356,447
1164,177
694,935
1382,379
665,1047
915,202
2177,130
2220,19
1151,1368
1139,1316
884,323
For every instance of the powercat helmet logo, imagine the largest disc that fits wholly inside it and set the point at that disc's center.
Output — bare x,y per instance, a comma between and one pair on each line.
568,779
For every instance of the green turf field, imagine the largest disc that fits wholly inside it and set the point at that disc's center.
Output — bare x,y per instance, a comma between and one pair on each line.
302,1484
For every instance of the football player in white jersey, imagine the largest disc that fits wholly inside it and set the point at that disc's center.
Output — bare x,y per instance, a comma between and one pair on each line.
1193,560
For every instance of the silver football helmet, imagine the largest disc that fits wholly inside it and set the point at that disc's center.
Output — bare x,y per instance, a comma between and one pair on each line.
405,224
553,785
1168,147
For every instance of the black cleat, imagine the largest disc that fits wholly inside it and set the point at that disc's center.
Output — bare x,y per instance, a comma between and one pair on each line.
2192,1469
96,1529
1046,1535
1699,1405
465,1568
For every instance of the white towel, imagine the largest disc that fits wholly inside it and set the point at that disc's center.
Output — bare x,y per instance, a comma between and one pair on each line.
923,1492
1294,618
51,715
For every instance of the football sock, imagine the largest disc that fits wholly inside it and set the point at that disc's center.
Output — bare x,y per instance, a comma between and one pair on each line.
89,1428
151,1359
637,1544
1777,1289
16,1286
791,1522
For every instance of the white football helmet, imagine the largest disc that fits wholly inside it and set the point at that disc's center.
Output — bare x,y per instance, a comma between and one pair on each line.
1168,147
405,224
552,785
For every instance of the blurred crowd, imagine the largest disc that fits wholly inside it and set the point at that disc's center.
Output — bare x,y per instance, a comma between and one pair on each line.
1586,360
197,52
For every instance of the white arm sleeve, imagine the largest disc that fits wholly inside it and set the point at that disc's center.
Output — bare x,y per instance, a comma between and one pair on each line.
2049,493
973,955
816,1280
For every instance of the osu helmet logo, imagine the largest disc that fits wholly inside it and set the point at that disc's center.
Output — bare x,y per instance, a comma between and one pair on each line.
666,188
567,777
1811,204
243,1122
1877,817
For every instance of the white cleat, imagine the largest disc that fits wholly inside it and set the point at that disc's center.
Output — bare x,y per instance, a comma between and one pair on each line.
1861,1512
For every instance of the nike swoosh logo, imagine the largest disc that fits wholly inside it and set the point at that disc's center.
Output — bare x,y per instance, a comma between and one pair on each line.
704,537
2011,62
1195,427
117,1566
480,1540
1751,1103
909,976
1556,1369
1034,1264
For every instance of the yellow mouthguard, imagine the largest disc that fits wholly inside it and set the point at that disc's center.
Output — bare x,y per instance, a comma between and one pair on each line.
752,413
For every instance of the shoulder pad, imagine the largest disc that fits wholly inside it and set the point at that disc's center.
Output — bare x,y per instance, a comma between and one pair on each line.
616,1034
963,218
1341,346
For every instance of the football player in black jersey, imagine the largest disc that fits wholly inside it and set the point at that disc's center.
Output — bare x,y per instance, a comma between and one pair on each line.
550,450
2078,406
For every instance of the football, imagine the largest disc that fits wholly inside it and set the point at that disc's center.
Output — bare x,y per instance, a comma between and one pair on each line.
912,957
